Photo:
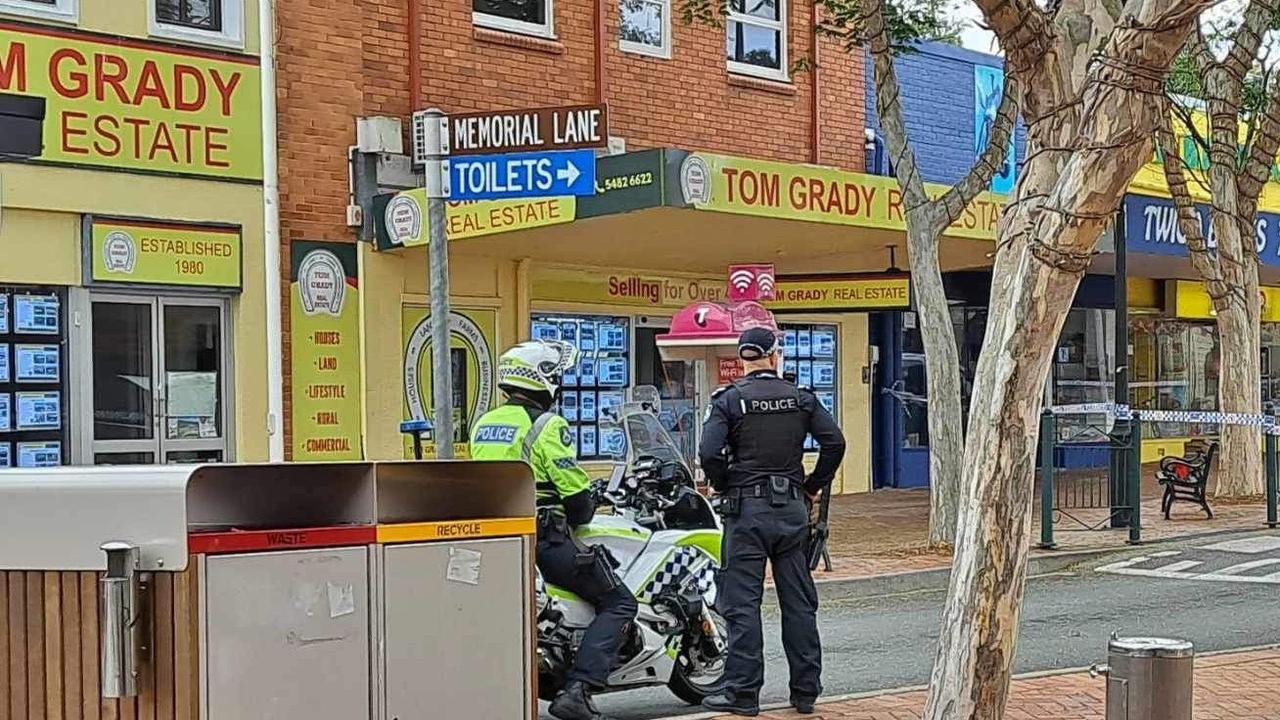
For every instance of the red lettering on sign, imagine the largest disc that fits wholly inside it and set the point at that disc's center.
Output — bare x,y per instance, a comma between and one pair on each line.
80,82
68,132
150,85
100,126
226,87
115,78
13,68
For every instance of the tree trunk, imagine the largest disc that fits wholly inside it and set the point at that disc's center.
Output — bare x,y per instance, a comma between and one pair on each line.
942,377
1046,239
1240,468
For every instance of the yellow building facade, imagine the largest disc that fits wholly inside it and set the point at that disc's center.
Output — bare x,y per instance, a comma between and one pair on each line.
132,288
608,273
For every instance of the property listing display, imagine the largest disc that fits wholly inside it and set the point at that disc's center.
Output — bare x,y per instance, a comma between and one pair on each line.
595,390
812,353
33,412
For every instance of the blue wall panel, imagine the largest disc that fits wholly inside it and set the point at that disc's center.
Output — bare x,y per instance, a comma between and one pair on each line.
937,89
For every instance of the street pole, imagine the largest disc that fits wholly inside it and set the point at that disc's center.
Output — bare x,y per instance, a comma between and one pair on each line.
1120,459
437,182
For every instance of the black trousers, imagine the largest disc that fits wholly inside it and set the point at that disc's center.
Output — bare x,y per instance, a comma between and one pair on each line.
758,532
564,563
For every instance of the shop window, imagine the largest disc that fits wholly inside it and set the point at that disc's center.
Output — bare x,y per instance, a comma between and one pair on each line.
216,22
596,389
757,38
645,27
61,10
1084,372
812,353
33,377
677,389
530,17
1175,366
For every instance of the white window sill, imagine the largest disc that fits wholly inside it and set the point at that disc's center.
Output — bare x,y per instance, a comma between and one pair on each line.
661,53
197,37
493,22
65,12
755,71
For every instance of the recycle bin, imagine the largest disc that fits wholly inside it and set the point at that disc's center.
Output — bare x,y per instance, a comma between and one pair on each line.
453,578
1148,678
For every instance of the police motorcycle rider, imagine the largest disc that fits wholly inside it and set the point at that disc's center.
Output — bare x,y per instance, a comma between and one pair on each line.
524,428
752,451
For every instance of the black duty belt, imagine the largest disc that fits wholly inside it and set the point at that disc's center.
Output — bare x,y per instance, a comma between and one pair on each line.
760,490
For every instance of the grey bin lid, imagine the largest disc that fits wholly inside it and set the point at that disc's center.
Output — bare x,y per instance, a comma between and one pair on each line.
1151,647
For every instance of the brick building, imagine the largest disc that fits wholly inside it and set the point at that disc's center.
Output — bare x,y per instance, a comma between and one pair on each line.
725,100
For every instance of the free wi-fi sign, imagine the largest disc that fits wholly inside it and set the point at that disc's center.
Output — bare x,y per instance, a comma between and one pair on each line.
752,282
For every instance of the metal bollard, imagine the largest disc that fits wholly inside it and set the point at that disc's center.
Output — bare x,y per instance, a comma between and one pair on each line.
1148,678
121,625
1048,433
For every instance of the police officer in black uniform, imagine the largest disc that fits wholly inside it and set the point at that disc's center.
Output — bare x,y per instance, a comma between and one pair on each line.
752,451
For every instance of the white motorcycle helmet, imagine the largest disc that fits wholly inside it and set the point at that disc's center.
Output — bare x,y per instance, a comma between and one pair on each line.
536,366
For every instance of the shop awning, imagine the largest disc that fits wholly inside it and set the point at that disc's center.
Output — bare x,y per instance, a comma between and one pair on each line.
673,210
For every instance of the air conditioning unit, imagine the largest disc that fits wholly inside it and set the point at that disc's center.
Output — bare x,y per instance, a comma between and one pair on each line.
418,135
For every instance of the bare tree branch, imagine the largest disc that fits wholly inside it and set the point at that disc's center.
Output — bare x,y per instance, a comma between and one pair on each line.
889,105
1188,219
1262,153
1258,16
993,157
1023,31
1198,47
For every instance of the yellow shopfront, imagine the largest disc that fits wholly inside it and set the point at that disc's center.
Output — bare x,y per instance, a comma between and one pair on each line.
132,296
608,273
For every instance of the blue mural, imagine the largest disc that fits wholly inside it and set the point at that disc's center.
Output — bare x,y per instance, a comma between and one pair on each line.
988,84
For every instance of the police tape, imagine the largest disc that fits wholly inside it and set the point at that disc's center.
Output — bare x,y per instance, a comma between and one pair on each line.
1120,412
1186,417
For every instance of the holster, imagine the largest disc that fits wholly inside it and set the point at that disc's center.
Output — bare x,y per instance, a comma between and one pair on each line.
781,491
553,526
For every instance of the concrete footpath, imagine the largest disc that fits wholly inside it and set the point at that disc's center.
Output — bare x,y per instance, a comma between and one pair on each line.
1229,686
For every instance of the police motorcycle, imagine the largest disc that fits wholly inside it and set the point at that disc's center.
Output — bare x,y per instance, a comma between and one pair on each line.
663,537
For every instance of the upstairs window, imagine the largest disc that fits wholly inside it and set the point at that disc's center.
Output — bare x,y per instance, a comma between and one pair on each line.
60,10
757,38
646,27
196,14
207,22
528,17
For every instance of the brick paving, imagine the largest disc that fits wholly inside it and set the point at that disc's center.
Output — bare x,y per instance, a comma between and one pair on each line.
1231,686
886,531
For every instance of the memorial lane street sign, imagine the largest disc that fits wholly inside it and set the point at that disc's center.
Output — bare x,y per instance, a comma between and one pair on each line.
535,129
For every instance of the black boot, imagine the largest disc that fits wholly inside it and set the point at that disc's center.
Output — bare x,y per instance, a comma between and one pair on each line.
574,703
730,703
802,704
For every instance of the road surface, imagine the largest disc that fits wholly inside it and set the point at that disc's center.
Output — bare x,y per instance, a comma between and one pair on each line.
1220,596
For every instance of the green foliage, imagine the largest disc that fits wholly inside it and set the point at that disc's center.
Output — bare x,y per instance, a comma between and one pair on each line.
908,21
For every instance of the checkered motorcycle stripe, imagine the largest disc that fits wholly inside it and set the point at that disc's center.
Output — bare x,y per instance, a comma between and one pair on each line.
675,571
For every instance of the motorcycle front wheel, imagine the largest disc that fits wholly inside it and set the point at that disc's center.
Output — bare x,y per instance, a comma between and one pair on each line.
699,668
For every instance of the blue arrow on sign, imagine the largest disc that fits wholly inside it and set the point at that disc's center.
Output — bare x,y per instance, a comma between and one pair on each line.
523,175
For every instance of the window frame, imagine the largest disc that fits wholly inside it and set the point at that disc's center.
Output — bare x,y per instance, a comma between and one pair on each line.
67,11
779,26
546,30
663,51
230,36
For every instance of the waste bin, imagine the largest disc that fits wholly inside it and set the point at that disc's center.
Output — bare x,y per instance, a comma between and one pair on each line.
232,589
1148,678
453,577
388,591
